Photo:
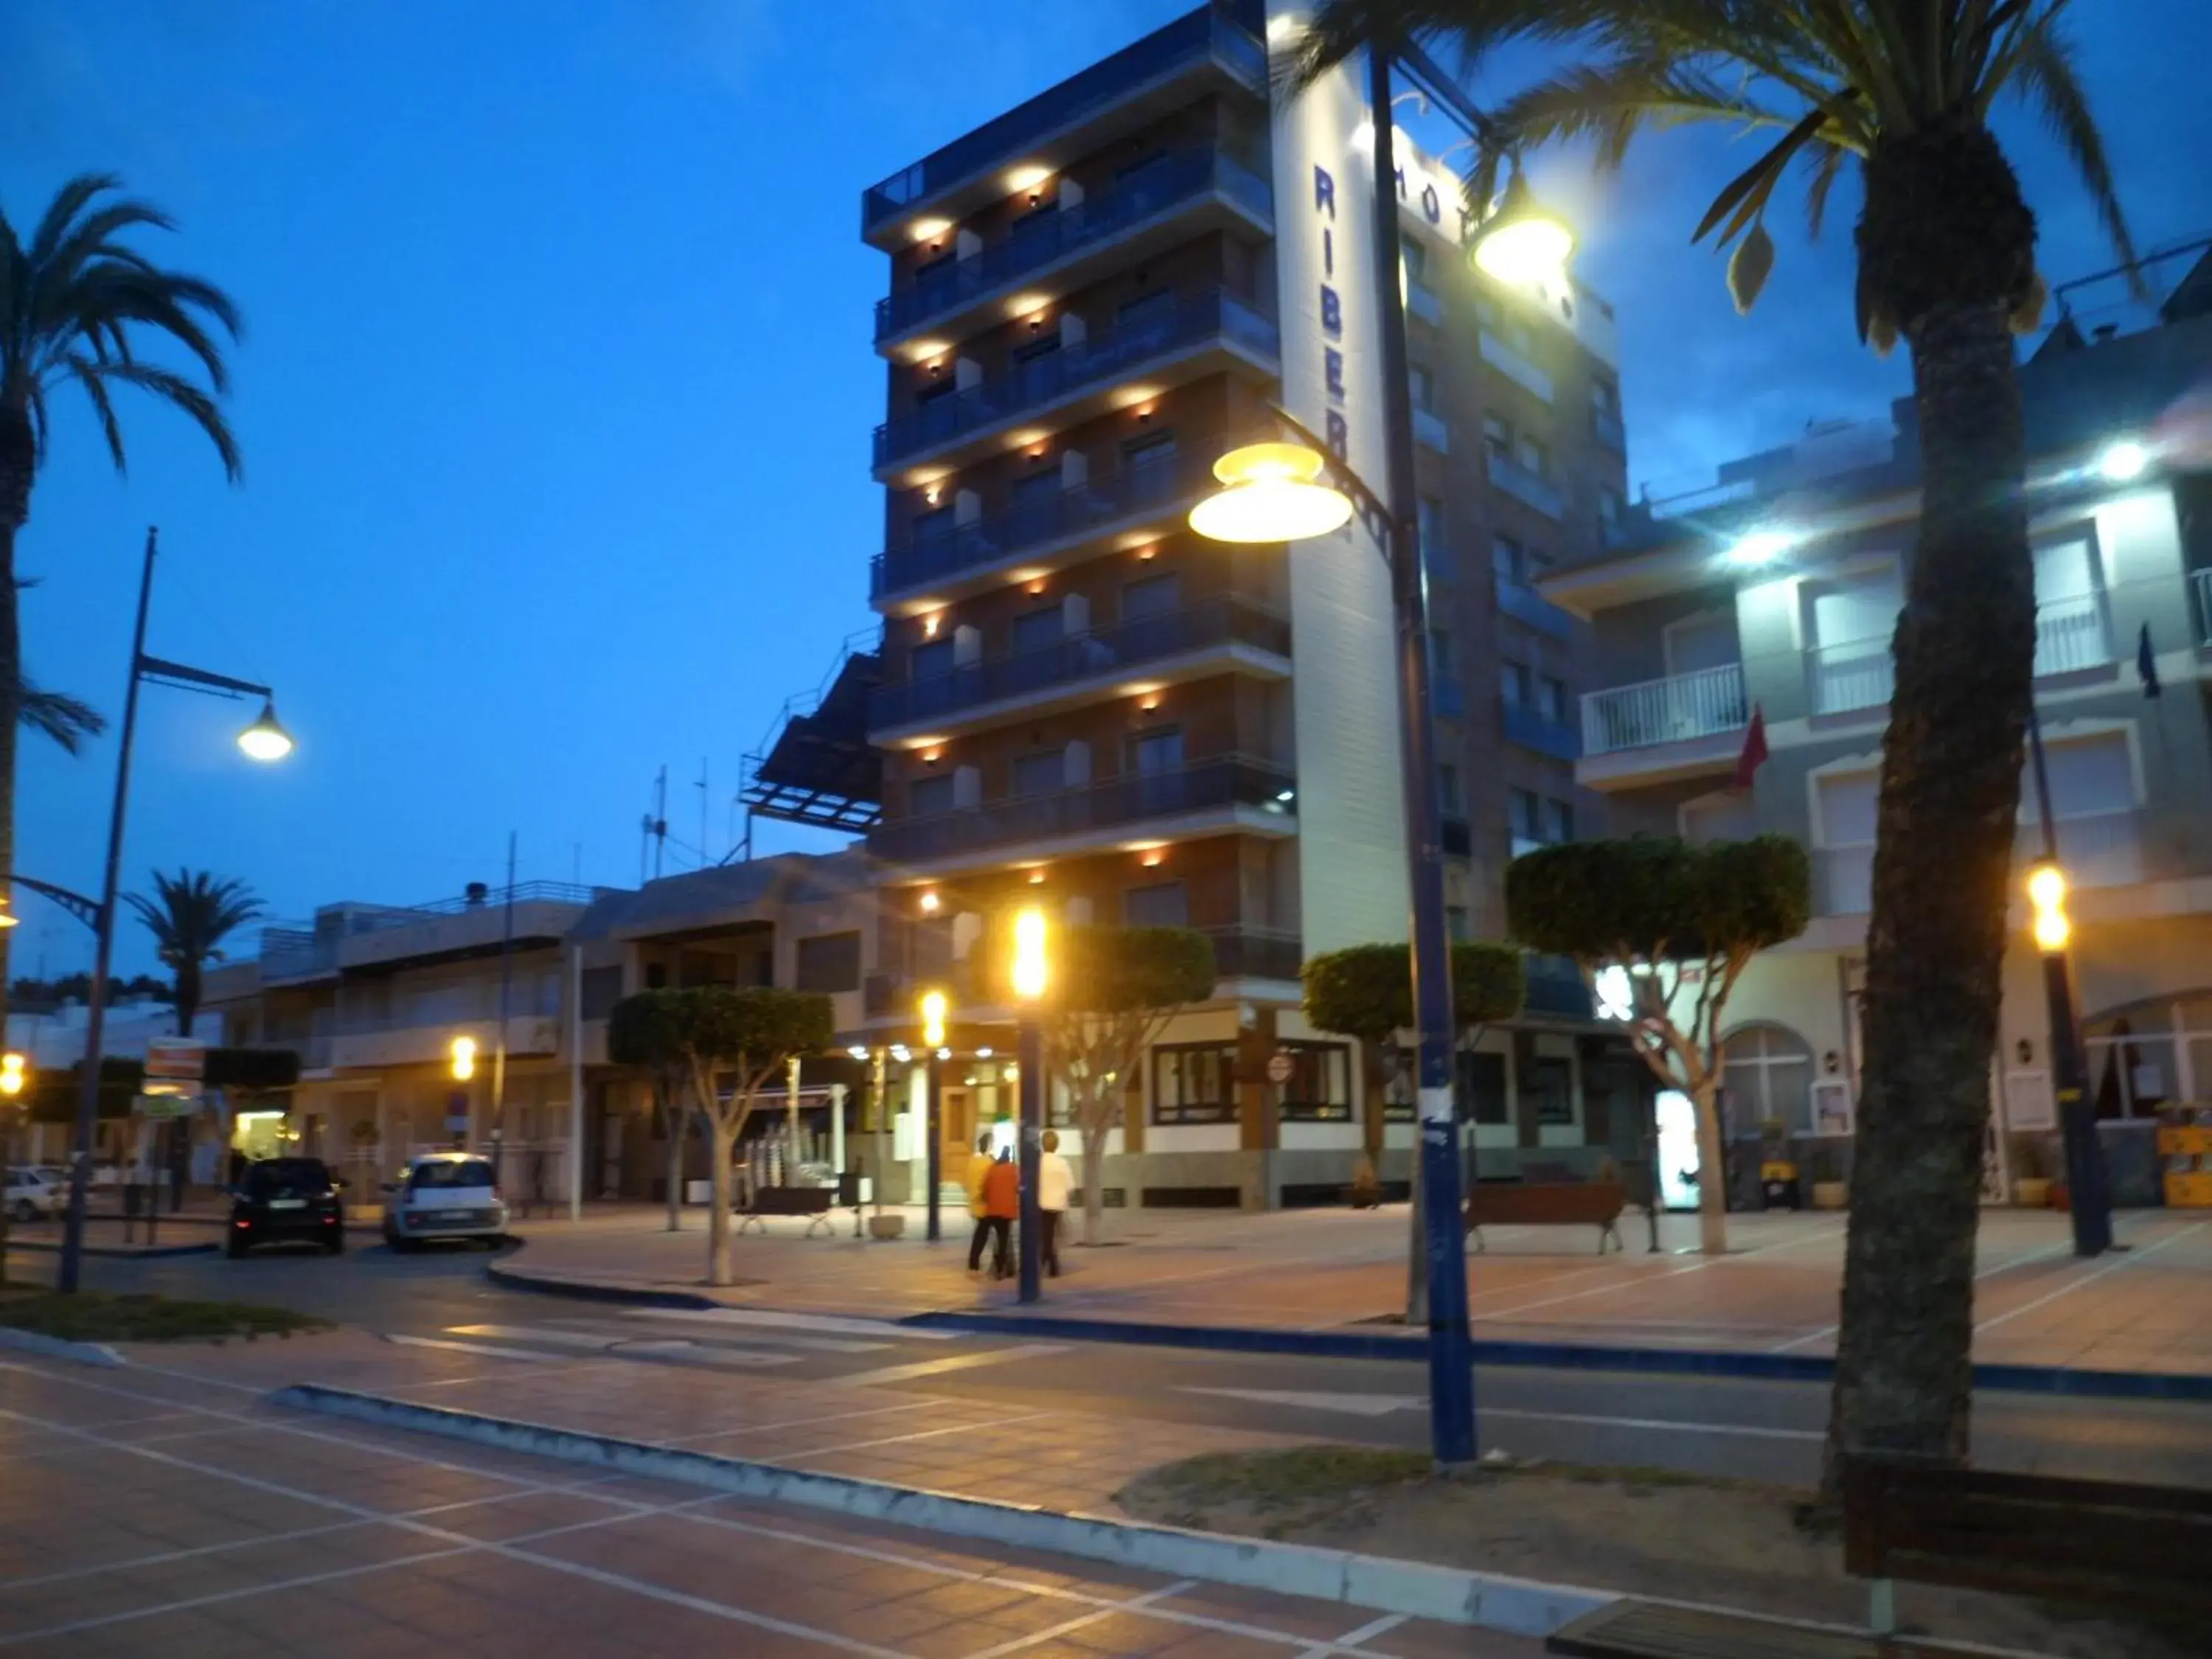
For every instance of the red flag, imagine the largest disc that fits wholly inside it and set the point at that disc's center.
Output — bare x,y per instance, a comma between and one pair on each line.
1754,750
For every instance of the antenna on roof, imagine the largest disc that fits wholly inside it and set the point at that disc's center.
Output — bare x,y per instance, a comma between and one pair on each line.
655,827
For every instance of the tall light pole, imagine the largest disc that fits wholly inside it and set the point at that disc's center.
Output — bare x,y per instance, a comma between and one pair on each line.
1275,495
1030,976
934,1006
264,740
2088,1187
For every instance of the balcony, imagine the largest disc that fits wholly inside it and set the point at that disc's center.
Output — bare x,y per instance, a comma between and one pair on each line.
1432,429
1525,604
1062,527
1676,709
1217,633
1514,366
1447,697
1421,301
1540,732
1854,675
1255,953
1555,985
2099,849
1135,86
1607,428
1530,489
2071,636
1215,329
1237,792
424,1039
1120,225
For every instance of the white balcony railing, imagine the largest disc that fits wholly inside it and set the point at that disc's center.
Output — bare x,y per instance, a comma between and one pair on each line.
1702,704
2100,849
1513,365
1855,674
2070,634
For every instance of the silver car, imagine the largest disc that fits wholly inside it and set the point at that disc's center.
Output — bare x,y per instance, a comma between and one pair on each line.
444,1195
32,1195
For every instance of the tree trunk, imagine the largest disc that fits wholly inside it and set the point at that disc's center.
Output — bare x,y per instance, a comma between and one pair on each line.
722,1138
1712,1168
674,1119
1367,1180
18,462
1101,1121
1946,250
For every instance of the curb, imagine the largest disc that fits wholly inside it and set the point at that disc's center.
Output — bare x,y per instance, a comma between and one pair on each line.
116,1252
96,1354
588,1290
1559,1356
1415,1590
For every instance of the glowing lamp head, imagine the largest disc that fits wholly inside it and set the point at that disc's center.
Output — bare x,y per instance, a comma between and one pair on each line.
1523,242
933,1007
11,1075
465,1058
1760,547
8,918
2123,462
1029,974
265,740
2047,892
1270,496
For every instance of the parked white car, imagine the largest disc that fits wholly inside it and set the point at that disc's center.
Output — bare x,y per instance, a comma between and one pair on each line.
32,1196
444,1195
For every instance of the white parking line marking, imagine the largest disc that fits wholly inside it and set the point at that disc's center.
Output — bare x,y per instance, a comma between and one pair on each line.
485,1348
1134,1604
959,1362
830,1324
2129,1261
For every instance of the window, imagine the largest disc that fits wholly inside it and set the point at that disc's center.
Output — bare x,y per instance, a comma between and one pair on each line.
1193,1083
1455,922
1497,438
1431,524
1482,1087
1509,559
601,989
931,661
1146,316
1486,309
1533,456
1165,904
1605,399
1548,1085
449,1172
925,797
1523,814
932,528
1150,463
1154,753
1154,596
1040,631
1040,773
1037,348
829,962
1415,253
1448,794
1424,385
1608,505
1558,821
1513,683
1036,501
1551,696
1441,666
1766,1073
1320,1086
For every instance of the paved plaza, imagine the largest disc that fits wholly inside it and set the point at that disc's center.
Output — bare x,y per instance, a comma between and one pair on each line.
2147,1308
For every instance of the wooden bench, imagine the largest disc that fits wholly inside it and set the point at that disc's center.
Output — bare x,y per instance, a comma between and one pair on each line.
2101,1543
1543,1203
812,1202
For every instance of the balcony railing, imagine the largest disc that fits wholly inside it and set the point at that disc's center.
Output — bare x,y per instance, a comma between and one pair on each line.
1528,488
1033,385
1048,238
1701,704
2099,849
2202,581
1255,953
1533,730
1524,603
1514,365
939,554
1421,301
1181,45
2070,635
1105,652
1855,674
1432,429
1234,780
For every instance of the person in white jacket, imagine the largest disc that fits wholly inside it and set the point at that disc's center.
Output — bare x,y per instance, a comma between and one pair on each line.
1055,1181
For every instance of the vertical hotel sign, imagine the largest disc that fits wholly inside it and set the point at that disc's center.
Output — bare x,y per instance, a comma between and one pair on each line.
1351,842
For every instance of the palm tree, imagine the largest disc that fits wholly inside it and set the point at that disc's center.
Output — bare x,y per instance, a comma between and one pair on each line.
189,915
75,304
1946,246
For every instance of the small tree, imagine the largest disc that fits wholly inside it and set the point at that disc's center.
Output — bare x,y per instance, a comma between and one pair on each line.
754,1034
1114,989
1366,993
1679,924
643,1031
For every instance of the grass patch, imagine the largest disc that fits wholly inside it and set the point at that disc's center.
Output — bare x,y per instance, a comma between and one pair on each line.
93,1317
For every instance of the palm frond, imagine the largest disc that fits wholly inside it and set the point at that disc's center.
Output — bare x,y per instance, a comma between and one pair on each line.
175,389
192,912
71,199
87,374
2043,71
1827,162
67,720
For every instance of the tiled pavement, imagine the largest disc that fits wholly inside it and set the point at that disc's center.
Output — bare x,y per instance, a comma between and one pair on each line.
2148,1309
159,1513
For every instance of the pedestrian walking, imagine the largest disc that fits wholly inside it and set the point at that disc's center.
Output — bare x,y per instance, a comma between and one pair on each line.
979,1166
1002,1202
1055,1181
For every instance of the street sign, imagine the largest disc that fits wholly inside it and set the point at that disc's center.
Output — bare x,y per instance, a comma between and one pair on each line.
176,1059
1278,1068
166,1105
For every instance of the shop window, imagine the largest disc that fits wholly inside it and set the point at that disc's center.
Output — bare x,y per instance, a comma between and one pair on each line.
1193,1083
1320,1086
829,962
1548,1086
1766,1076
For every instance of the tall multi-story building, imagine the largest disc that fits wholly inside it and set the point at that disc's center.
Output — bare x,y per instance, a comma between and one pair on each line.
1078,703
1777,590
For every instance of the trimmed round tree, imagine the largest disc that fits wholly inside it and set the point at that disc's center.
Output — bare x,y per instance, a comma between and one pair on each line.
1113,990
642,1033
1678,924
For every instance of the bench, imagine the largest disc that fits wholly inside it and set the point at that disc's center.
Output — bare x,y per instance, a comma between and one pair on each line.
812,1202
2102,1543
1542,1203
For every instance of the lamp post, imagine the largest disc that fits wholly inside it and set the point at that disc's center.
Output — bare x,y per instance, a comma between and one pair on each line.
264,740
2088,1188
933,1006
1275,494
1030,978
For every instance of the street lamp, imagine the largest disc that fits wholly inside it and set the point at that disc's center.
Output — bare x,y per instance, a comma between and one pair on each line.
463,1053
11,1075
933,1007
264,740
1031,974
1523,242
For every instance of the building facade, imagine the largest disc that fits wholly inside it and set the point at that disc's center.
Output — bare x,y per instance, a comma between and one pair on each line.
1777,591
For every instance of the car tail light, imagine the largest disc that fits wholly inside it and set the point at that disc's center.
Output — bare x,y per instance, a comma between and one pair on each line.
241,1222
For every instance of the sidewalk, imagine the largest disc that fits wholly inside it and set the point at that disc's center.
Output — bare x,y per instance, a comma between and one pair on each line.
2148,1310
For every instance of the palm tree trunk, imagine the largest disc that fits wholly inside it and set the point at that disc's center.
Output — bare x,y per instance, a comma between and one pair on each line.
1947,246
18,462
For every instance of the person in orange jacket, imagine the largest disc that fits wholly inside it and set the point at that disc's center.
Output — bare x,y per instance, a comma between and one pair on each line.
979,1166
1002,1202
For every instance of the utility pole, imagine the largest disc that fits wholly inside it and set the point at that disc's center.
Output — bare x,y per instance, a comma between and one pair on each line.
705,859
499,1043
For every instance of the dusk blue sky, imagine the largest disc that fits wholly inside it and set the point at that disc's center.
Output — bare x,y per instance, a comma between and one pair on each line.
556,394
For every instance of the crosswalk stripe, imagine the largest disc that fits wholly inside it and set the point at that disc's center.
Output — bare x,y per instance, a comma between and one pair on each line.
766,1318
741,1337
468,1347
958,1362
534,1333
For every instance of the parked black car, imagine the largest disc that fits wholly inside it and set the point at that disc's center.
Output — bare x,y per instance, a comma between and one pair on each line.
285,1198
